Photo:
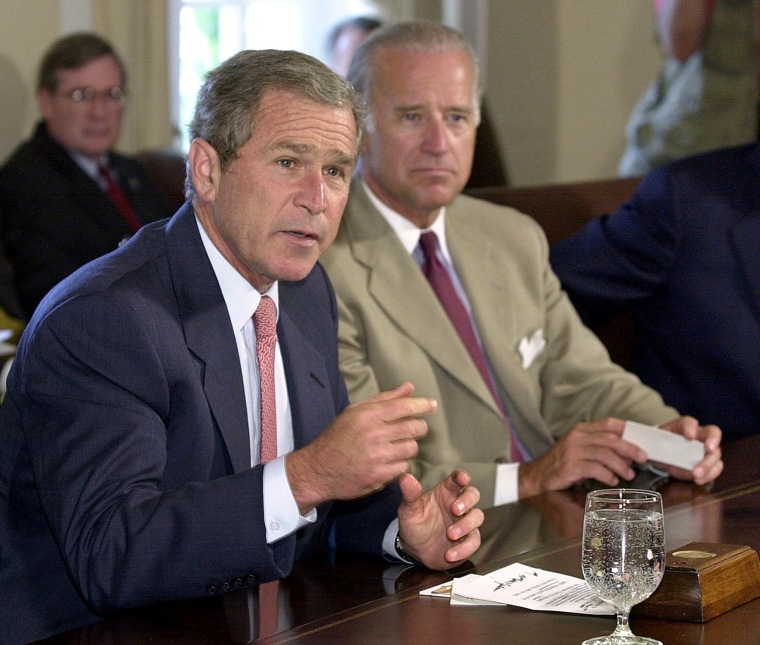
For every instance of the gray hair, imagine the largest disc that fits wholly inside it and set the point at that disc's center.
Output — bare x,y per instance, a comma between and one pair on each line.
228,102
416,36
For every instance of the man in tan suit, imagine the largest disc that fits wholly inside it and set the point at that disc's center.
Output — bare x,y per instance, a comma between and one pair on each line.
552,380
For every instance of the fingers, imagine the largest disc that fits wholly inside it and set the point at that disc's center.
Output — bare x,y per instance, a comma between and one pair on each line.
405,389
711,435
464,549
440,527
369,444
396,414
592,450
467,520
411,489
709,468
466,496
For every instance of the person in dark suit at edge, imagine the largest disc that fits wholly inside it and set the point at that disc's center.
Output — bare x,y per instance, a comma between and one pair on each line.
65,195
138,458
682,256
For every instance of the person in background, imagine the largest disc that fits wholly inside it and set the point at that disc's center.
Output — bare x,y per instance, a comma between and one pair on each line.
706,94
176,425
66,197
456,294
682,256
345,37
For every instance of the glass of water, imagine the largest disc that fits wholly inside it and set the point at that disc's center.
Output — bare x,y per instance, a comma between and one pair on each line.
623,554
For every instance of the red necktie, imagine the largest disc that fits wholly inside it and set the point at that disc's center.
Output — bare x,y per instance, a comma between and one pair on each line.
265,324
440,281
119,198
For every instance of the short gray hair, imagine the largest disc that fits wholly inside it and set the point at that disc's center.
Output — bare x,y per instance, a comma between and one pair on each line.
416,36
228,101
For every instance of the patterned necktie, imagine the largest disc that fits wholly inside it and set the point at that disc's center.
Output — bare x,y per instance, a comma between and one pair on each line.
119,198
265,324
440,281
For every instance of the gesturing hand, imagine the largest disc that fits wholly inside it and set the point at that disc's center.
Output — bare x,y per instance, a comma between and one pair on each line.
440,528
368,445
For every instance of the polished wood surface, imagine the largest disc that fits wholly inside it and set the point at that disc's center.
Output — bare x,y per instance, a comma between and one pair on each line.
354,600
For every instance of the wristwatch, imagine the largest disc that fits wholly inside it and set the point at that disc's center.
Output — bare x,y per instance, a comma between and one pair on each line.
401,552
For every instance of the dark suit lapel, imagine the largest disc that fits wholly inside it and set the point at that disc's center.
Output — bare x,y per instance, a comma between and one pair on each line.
308,381
209,333
83,190
392,271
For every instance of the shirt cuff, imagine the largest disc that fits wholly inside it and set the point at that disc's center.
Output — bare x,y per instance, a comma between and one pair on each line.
389,544
281,516
507,484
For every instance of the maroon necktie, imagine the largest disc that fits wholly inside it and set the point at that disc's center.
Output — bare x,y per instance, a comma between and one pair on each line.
265,324
440,281
119,198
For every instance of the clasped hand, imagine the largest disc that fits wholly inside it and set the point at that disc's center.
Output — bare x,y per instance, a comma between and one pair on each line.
597,450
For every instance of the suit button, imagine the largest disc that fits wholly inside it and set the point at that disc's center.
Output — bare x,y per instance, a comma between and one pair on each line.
250,579
212,589
224,587
237,583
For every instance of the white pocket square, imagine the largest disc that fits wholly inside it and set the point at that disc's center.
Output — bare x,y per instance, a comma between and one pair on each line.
532,346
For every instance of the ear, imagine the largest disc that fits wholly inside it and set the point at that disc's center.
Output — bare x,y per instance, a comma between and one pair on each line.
364,145
204,169
45,102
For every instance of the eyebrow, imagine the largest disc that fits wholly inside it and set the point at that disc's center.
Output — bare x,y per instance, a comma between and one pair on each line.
338,156
419,106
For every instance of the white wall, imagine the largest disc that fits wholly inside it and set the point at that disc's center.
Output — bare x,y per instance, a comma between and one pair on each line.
562,78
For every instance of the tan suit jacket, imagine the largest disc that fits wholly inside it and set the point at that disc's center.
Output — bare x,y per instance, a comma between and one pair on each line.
392,328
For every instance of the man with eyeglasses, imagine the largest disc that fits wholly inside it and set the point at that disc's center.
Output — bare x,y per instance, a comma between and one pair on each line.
65,196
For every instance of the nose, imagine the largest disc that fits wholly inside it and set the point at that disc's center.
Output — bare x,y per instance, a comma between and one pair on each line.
98,105
311,193
436,139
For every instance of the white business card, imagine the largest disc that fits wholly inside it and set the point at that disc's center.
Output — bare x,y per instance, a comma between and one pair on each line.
665,447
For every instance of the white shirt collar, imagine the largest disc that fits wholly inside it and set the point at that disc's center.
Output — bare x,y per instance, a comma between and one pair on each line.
408,232
240,296
89,165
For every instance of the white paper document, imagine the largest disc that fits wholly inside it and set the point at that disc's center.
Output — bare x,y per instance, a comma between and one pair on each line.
522,586
664,446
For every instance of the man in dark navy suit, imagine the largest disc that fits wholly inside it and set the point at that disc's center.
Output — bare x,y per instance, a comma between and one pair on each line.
130,463
58,213
684,256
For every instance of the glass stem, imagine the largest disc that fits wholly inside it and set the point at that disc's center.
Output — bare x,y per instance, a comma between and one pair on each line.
622,628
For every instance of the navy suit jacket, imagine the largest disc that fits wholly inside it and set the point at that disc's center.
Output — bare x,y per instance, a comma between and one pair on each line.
684,256
56,218
125,474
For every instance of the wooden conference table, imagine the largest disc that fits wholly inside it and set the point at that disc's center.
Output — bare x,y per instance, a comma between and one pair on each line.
346,599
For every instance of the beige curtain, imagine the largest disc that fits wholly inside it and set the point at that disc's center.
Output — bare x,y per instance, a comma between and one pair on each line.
138,30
